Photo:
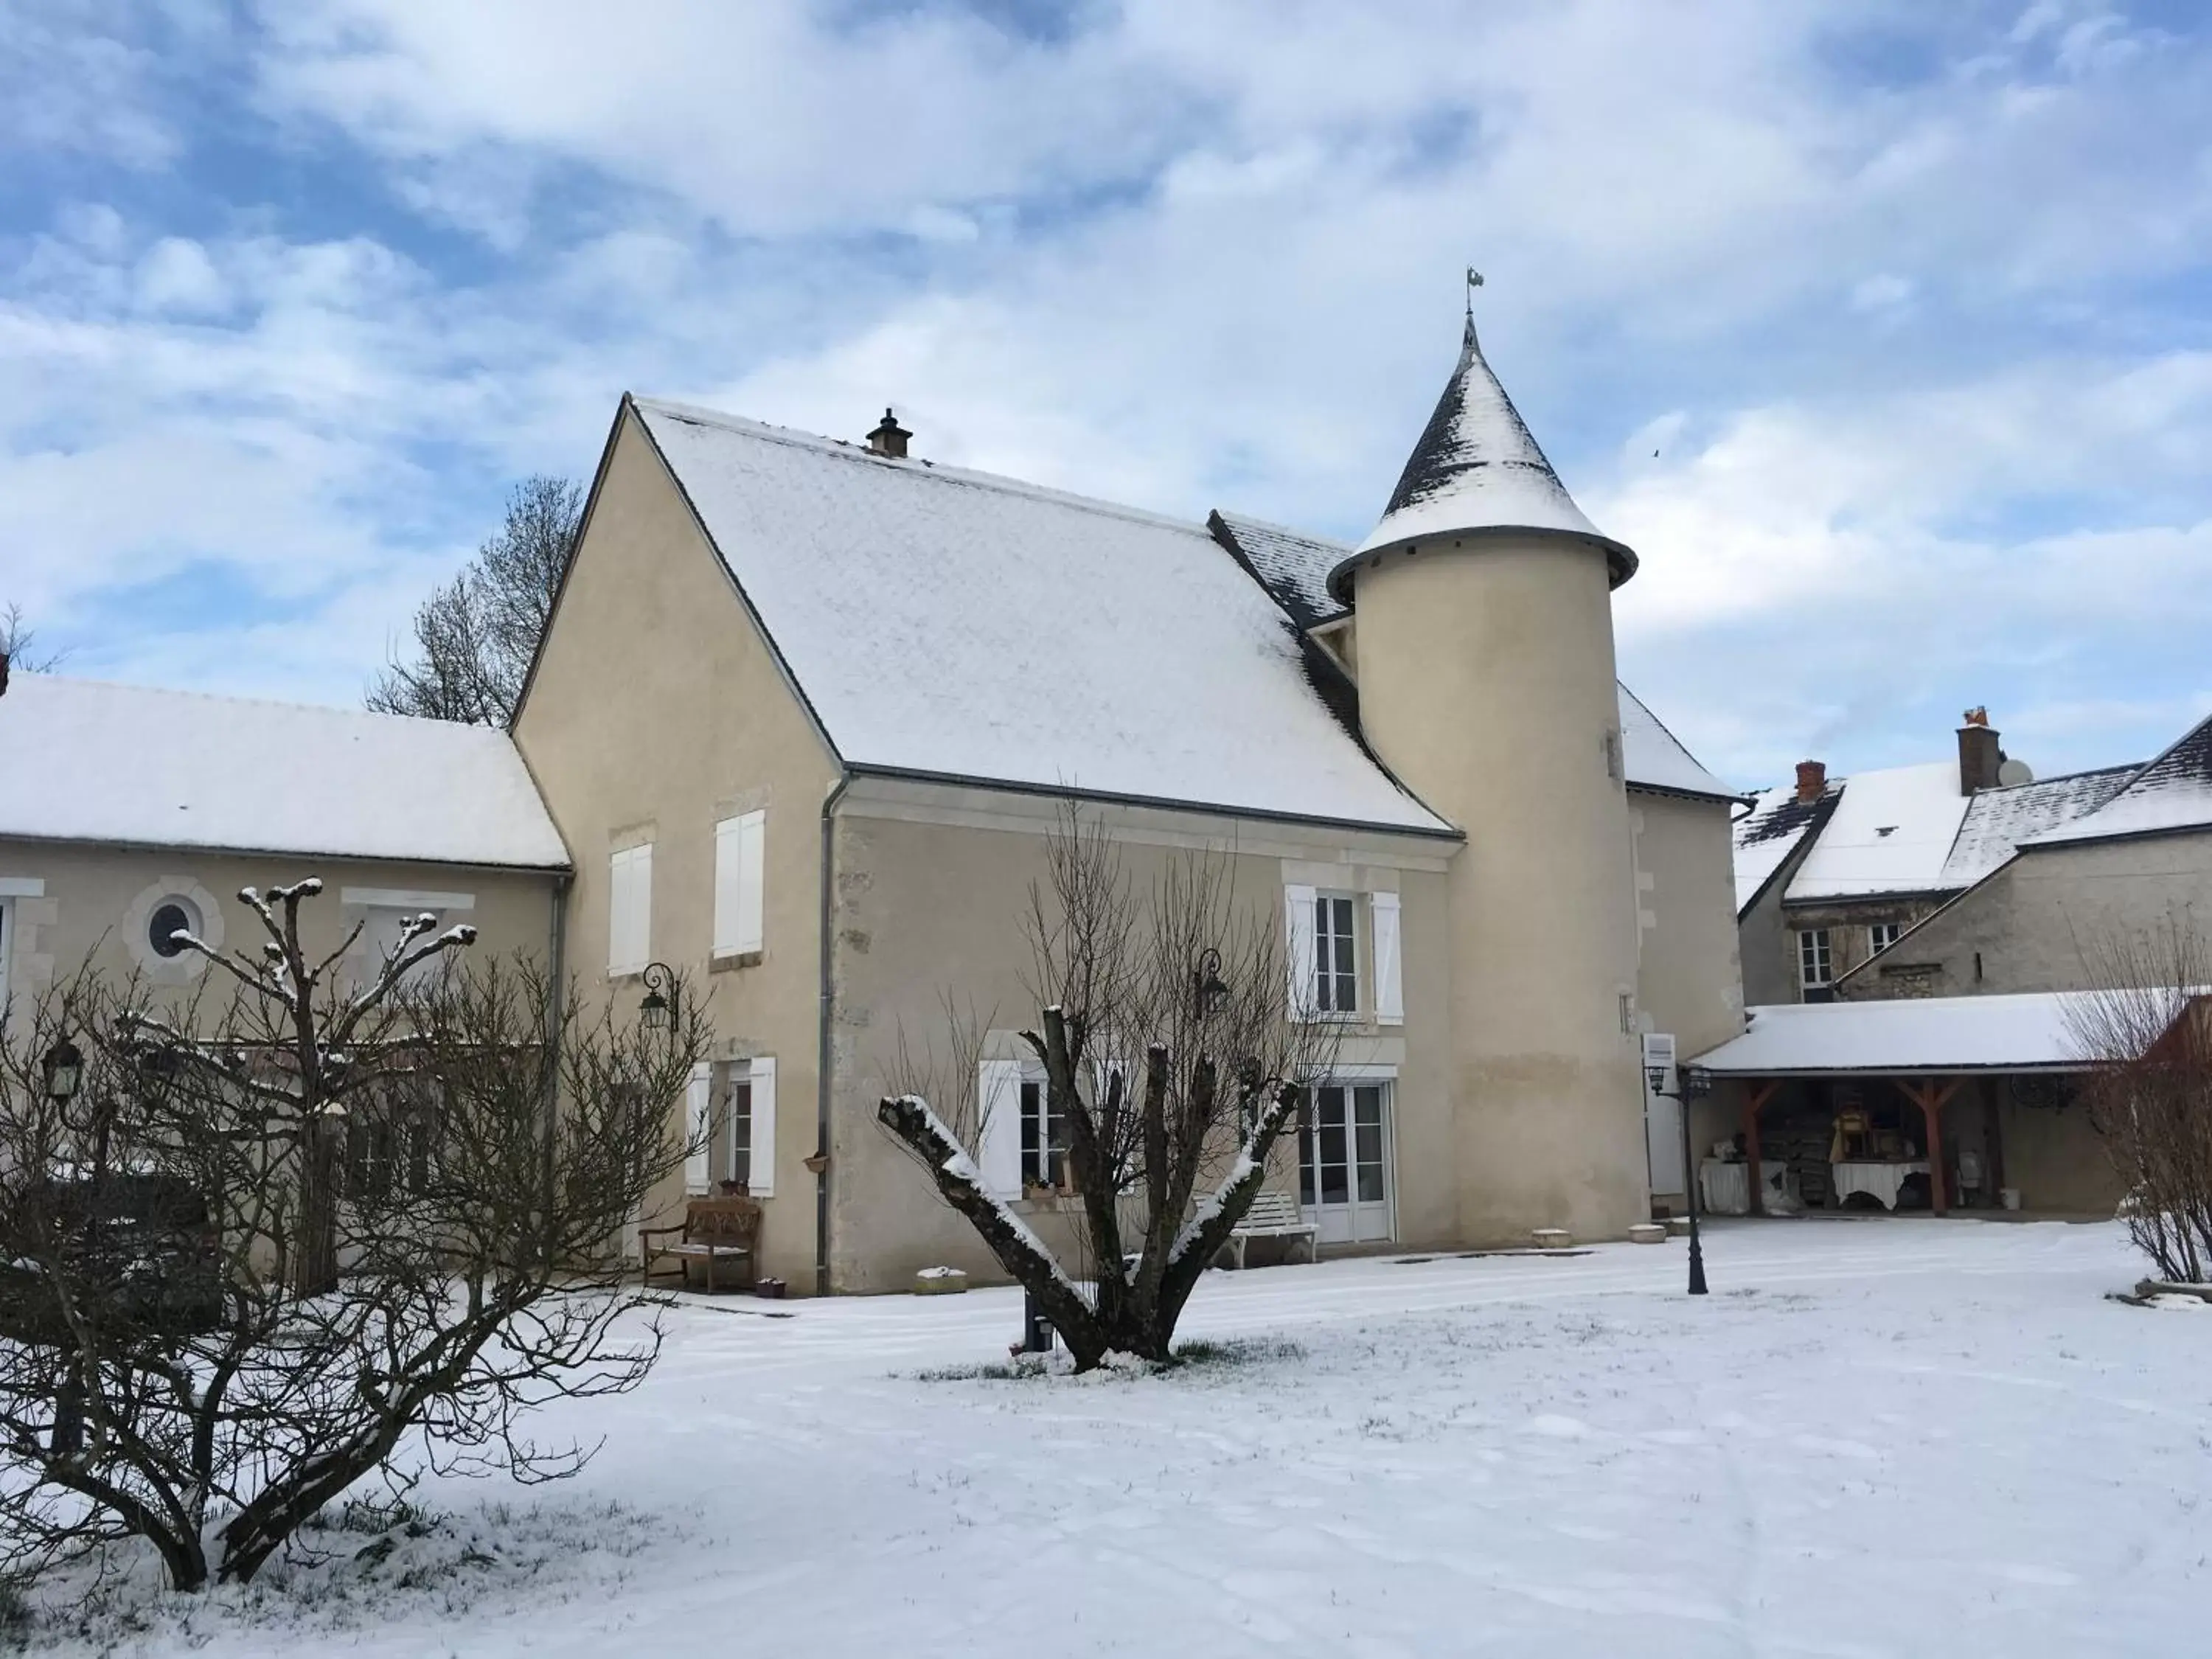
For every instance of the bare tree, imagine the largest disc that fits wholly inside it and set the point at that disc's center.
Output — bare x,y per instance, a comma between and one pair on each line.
1173,1060
474,637
254,1256
2147,1023
18,642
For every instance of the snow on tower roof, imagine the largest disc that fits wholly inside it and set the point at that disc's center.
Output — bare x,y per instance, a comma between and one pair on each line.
1477,467
957,625
87,761
2173,792
1294,567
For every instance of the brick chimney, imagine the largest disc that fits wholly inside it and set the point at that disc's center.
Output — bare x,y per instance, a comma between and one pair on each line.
1812,779
890,439
1979,754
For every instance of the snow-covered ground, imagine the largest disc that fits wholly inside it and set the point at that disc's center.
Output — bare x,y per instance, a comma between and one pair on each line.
1886,1437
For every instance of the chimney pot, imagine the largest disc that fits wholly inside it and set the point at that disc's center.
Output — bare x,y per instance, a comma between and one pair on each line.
1812,779
1979,753
890,438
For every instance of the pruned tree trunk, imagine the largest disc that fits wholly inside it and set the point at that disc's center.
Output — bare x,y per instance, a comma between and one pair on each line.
1174,1060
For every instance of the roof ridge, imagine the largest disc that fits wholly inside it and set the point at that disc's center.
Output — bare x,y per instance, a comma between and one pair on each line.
914,466
340,710
1258,523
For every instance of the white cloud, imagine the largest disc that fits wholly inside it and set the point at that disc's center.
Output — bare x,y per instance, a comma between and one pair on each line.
1886,327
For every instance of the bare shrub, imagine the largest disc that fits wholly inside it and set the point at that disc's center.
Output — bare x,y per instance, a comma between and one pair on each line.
1172,1063
2147,1025
327,1230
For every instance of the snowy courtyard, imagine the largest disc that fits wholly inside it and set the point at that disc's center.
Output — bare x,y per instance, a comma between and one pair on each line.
1886,1437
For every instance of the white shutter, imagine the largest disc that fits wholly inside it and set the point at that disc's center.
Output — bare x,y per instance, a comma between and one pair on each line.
1659,1051
998,1101
763,1146
1389,981
698,1108
752,834
1298,919
726,860
630,910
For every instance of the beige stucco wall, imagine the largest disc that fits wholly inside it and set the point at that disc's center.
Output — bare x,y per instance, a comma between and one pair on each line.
656,710
1486,681
1688,979
932,885
96,902
2039,923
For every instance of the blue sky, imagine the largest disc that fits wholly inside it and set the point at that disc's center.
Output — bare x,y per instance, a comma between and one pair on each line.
1882,331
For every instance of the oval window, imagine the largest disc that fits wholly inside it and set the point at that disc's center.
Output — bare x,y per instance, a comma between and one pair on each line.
170,918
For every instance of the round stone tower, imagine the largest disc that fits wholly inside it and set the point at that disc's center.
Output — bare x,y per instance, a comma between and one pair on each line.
1484,626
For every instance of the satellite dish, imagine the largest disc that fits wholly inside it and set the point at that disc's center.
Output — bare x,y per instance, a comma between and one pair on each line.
2014,772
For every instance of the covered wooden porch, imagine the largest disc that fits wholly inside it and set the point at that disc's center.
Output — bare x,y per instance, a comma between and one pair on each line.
1936,1089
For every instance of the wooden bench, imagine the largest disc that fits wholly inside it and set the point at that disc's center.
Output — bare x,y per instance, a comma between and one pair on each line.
723,1230
1273,1215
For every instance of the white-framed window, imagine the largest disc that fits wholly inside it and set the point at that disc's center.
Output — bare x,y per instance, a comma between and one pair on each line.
172,905
1325,970
749,1125
1881,935
1044,1137
630,910
739,845
12,889
1815,960
1336,956
384,916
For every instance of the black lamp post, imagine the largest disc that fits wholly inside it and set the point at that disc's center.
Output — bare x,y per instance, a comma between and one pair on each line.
1697,1084
659,1011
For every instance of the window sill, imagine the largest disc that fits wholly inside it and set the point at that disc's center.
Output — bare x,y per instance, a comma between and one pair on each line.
728,962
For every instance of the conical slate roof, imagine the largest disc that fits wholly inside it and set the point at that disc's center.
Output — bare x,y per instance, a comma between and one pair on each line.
1478,468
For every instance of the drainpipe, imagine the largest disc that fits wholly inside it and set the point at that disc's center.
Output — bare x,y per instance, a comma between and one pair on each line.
555,1007
820,1162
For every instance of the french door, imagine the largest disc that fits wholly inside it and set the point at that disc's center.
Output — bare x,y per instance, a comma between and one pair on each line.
1344,1163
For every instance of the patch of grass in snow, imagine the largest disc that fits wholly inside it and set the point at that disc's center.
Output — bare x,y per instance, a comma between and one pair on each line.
1228,1351
1200,1355
345,1572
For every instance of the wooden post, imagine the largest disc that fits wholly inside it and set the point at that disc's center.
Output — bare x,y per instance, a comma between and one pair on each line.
1755,1095
1929,1097
1993,1142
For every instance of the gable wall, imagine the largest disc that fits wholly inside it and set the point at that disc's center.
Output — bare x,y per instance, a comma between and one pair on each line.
2036,925
658,708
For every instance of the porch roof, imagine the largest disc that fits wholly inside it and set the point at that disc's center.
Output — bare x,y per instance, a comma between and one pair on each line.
1918,1036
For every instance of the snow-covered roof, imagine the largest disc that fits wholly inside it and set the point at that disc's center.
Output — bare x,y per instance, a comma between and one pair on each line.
1891,832
1294,567
87,761
1477,467
1999,820
2174,791
1906,829
1653,757
1290,565
1913,1035
1766,835
954,624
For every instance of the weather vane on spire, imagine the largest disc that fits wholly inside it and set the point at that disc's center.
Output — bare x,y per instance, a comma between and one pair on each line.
1473,282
